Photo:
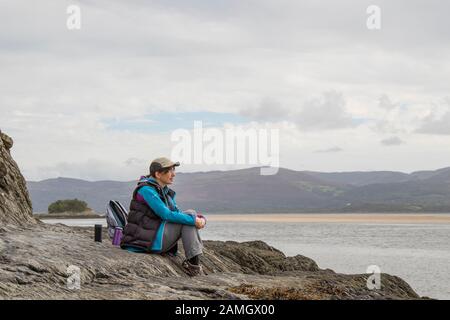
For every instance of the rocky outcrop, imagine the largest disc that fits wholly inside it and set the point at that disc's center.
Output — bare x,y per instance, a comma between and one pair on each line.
15,203
39,261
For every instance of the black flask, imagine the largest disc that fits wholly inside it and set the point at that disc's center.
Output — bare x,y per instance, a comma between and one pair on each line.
98,233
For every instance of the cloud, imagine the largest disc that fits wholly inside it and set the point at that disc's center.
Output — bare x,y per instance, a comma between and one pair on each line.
326,112
437,119
405,116
169,121
440,126
135,161
392,141
68,96
91,170
386,103
330,150
268,110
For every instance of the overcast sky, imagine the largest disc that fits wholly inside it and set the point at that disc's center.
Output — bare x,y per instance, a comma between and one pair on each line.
102,101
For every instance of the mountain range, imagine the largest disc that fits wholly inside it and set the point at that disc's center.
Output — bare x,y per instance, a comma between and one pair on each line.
246,191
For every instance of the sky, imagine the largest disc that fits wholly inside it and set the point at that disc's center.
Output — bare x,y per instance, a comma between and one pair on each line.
102,101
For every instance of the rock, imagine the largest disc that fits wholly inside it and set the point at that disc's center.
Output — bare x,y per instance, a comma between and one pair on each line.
15,203
260,257
7,140
34,264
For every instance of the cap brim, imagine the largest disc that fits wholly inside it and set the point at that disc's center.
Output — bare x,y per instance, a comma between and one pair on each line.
172,164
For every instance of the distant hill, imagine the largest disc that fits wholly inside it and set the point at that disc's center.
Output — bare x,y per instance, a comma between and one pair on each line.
247,191
96,194
360,178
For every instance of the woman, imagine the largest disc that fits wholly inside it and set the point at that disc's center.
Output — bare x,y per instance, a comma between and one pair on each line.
155,224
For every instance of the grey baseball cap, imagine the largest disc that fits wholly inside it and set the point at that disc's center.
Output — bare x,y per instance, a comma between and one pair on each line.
162,163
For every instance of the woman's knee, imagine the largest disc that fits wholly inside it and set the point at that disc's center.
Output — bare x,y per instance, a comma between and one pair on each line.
189,227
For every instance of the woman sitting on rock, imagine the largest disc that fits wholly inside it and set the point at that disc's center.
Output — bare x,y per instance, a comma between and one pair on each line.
155,224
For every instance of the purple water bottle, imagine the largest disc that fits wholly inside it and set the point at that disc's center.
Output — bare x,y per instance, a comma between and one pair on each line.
117,236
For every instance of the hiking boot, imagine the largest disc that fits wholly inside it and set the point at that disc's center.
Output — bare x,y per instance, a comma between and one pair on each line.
192,269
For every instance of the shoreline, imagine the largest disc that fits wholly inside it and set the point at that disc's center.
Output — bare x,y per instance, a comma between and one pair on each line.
49,217
334,217
403,218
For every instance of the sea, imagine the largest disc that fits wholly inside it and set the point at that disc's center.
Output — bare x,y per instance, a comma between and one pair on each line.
419,253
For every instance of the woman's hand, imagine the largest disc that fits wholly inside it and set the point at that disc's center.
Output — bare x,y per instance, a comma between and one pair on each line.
199,222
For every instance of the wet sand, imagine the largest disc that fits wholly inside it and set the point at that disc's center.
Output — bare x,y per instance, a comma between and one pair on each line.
335,218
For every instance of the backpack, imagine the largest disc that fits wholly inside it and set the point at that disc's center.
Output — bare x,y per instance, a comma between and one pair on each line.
116,216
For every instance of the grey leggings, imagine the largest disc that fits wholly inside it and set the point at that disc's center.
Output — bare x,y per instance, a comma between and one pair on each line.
192,243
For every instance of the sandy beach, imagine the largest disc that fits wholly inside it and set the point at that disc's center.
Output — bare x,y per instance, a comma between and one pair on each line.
335,218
